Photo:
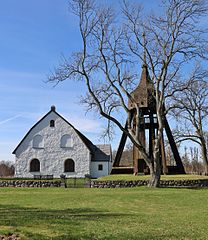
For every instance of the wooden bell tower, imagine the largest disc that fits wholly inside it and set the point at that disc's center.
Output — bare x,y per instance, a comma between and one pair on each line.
143,95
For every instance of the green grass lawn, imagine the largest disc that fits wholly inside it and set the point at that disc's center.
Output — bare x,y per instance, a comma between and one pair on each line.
82,213
131,177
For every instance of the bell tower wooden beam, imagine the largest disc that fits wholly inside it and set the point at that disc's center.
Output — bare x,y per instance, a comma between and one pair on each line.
179,164
120,148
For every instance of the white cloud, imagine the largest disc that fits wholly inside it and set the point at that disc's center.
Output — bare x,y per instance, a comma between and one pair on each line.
9,119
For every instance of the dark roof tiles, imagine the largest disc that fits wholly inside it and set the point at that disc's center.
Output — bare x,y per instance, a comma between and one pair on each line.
102,152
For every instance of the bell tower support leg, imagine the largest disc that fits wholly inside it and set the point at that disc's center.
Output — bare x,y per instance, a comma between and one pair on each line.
174,148
120,148
151,134
139,163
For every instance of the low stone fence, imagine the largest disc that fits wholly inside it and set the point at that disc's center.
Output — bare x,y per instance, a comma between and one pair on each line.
28,183
107,184
163,183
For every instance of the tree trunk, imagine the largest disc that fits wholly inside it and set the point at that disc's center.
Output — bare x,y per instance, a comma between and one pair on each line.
155,173
155,168
204,156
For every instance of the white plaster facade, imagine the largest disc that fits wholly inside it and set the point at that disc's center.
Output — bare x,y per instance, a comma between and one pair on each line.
98,171
53,145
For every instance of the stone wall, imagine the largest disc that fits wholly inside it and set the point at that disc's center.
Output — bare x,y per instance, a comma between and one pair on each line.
106,184
24,183
163,183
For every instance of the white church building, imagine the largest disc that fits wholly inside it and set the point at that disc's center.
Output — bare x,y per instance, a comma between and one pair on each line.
54,147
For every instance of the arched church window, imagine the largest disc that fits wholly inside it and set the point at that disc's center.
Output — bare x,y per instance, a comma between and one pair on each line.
35,165
38,141
66,141
69,165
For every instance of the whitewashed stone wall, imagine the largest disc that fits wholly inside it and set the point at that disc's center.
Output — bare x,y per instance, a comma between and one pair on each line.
52,156
95,173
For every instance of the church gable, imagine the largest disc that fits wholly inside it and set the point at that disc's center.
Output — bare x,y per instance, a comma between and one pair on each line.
56,146
48,128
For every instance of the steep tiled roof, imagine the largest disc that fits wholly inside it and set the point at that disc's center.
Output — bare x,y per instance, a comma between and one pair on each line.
102,152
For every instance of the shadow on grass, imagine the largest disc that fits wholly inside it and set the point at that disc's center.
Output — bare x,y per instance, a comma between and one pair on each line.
53,220
68,236
66,224
12,213
122,236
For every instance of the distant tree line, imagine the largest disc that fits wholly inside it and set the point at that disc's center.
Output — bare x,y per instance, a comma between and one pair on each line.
6,169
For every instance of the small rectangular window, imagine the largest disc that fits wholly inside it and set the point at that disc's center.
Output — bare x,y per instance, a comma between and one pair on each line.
52,123
100,167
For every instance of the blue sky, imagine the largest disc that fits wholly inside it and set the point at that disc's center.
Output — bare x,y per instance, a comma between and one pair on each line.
33,35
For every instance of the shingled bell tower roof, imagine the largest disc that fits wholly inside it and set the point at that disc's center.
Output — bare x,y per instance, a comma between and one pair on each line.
144,90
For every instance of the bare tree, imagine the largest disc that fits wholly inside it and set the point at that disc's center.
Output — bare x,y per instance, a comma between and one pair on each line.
196,165
6,169
191,161
112,49
186,161
191,109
